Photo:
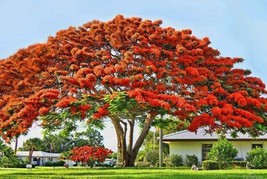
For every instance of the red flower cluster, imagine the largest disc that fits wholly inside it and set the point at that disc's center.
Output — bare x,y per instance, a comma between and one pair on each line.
238,98
101,112
201,120
43,111
65,102
86,154
192,71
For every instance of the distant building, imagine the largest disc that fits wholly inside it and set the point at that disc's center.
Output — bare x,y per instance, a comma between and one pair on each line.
38,157
199,143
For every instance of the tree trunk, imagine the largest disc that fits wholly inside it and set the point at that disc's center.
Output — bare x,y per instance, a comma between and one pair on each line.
143,135
16,145
127,156
30,155
121,142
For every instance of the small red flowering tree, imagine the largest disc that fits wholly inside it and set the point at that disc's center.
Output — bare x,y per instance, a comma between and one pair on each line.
129,71
89,154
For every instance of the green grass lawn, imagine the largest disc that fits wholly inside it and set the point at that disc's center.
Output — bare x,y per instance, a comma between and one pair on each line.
77,173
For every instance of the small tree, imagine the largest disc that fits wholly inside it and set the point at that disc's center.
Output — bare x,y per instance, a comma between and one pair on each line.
31,145
223,152
191,160
176,160
152,157
7,156
89,154
257,158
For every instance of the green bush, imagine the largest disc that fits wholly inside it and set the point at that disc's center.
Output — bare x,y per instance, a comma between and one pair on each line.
59,163
191,160
167,162
176,160
55,164
142,164
210,165
20,165
119,164
152,157
257,158
223,152
49,163
239,164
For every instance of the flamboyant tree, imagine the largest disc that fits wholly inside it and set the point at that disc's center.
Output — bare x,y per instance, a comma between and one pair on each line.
89,154
129,71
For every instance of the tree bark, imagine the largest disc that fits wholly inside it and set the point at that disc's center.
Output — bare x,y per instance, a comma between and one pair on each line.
16,144
121,142
143,135
30,155
127,156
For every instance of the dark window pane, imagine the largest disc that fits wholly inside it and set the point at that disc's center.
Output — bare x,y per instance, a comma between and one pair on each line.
256,145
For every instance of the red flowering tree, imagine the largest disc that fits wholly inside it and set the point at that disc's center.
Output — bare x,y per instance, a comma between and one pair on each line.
89,154
129,71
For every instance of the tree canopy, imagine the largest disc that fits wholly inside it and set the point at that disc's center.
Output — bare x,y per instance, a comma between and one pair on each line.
128,70
58,143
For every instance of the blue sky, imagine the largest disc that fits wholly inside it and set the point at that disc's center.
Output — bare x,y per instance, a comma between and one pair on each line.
236,28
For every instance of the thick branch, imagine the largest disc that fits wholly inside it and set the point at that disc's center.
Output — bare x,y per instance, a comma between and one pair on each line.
144,133
130,144
121,141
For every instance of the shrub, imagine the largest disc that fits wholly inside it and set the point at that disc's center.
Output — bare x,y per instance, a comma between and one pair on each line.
239,164
167,162
210,165
20,165
119,164
223,152
55,164
141,156
49,163
152,157
176,160
59,163
142,164
191,160
257,158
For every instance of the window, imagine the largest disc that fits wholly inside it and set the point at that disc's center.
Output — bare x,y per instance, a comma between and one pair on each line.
205,149
256,145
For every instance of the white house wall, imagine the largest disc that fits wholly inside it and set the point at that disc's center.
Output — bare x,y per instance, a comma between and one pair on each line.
187,148
195,147
245,146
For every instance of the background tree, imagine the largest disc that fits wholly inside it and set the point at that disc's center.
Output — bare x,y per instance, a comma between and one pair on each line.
90,137
31,145
60,142
129,71
169,125
7,156
223,152
257,158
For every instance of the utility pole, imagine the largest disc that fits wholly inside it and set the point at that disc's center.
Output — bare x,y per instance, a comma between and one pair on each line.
160,147
16,144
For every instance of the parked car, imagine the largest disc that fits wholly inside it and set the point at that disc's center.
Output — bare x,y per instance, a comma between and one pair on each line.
109,162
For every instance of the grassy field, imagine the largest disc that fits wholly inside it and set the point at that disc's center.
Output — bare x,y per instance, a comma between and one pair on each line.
82,173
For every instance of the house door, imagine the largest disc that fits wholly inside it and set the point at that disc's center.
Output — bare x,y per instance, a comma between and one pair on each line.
36,161
205,150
